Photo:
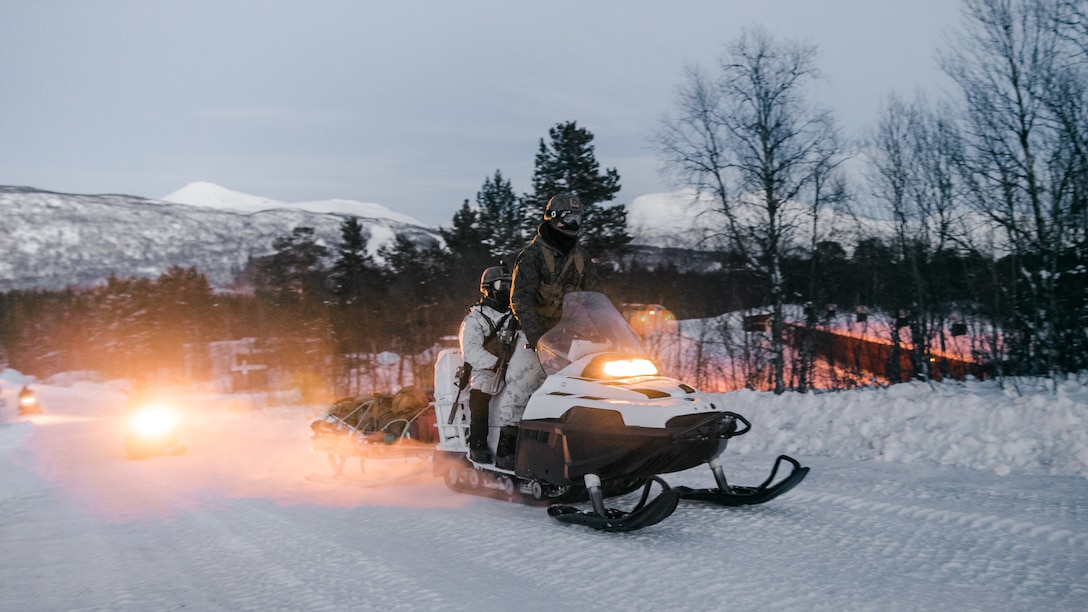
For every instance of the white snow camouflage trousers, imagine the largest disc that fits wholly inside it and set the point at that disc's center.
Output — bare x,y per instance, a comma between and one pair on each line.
523,376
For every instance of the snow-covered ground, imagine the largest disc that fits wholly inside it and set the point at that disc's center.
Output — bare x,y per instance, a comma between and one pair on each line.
956,496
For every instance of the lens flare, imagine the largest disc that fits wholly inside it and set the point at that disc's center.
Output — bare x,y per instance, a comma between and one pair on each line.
154,421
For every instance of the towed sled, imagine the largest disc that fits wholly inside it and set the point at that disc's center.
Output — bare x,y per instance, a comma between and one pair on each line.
376,427
603,424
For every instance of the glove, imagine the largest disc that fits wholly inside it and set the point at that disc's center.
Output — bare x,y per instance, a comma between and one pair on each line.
531,342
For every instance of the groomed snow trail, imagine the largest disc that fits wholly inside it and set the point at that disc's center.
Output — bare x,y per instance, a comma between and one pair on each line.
233,524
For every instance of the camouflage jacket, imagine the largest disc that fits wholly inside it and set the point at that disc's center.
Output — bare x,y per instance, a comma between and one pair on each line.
537,290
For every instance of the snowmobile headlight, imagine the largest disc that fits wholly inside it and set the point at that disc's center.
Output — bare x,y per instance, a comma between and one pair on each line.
27,401
626,368
615,366
154,421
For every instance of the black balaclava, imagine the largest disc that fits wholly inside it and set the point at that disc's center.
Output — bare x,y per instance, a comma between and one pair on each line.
557,238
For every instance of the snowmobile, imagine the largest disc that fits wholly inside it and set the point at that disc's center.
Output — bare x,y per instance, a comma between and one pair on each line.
376,427
28,402
604,423
152,429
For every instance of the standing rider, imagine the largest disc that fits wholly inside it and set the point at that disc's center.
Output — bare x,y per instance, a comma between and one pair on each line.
551,266
484,331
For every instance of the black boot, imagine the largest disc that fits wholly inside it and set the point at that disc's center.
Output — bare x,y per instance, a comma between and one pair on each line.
506,452
478,416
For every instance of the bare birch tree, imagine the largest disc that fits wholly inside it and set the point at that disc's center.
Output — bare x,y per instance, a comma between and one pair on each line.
1021,68
912,152
749,137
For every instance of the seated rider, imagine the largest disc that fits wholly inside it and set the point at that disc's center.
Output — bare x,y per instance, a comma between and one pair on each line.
485,336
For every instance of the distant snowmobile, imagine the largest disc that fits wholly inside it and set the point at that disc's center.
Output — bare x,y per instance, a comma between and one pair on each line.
604,423
151,428
28,402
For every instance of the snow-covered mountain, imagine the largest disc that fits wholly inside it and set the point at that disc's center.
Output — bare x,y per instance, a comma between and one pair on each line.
203,193
54,240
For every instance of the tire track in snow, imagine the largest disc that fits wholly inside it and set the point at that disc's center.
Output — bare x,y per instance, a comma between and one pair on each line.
257,560
965,519
954,551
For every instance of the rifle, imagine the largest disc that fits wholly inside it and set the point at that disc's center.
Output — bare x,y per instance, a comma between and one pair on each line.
463,374
506,336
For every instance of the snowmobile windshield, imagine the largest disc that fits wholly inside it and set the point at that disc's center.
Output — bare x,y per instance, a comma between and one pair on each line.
590,324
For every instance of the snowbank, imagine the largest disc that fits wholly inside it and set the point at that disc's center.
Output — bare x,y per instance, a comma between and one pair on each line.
973,425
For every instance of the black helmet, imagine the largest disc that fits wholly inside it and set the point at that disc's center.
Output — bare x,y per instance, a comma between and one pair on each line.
495,281
564,212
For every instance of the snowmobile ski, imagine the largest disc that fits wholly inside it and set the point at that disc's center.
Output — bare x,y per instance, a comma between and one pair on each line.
610,519
727,495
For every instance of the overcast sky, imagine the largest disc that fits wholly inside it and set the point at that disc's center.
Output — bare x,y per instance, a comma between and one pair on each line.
408,104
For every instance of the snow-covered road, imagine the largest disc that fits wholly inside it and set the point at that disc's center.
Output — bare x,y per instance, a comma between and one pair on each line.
233,524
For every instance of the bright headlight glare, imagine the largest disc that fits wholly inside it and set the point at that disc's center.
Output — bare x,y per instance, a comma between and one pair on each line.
625,368
154,421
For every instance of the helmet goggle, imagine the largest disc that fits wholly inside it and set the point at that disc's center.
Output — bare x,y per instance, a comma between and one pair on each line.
570,218
501,285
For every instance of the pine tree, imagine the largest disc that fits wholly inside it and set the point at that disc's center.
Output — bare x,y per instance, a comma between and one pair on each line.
290,288
568,164
294,271
182,308
356,320
465,239
417,306
354,272
498,218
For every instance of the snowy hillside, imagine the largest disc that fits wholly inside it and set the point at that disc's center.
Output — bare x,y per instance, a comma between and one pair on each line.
214,196
949,497
53,240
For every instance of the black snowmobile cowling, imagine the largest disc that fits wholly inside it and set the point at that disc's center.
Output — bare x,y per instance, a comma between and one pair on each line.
605,422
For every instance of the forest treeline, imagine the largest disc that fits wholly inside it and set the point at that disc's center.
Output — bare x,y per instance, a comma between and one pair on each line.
327,311
984,197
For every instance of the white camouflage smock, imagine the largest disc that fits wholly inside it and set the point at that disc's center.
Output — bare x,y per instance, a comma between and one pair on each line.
474,330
